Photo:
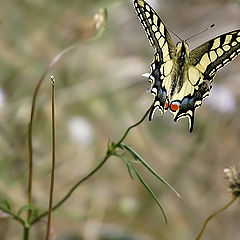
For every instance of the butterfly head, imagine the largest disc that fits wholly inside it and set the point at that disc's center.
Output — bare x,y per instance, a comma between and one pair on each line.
182,52
182,48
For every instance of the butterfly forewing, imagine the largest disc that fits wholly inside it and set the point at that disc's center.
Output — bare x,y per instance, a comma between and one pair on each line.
165,50
216,53
155,30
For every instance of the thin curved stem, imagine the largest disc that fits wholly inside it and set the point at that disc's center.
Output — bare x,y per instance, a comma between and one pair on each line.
30,124
53,161
213,215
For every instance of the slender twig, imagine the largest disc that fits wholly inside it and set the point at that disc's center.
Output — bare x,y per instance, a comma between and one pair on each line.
53,161
30,124
213,215
107,156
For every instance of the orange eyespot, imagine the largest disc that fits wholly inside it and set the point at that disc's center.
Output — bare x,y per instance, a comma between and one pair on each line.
166,105
174,107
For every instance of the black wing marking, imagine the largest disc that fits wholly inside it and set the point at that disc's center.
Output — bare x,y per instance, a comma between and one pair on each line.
157,89
189,104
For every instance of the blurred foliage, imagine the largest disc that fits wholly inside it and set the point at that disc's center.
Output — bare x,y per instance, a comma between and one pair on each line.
99,88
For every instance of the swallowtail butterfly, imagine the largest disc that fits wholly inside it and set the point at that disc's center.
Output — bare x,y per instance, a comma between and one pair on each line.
180,79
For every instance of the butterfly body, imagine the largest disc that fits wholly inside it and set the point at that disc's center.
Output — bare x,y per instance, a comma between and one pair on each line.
181,79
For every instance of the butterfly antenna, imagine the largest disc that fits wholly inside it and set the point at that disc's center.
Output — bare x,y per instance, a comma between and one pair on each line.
175,34
213,25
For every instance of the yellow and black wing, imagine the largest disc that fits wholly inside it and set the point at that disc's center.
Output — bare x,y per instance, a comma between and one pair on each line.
200,69
209,57
156,31
165,51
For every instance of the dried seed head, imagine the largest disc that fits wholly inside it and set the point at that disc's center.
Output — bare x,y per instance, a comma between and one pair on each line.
233,176
100,18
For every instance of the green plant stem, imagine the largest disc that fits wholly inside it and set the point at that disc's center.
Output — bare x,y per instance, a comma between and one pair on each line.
107,156
20,220
26,233
213,215
53,161
30,124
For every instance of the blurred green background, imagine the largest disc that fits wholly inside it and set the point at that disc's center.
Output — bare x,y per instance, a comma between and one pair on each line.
99,93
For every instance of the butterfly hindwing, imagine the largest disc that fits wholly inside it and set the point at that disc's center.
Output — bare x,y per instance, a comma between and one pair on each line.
190,103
